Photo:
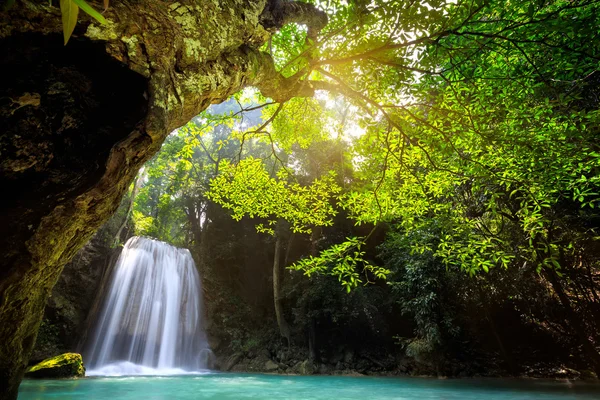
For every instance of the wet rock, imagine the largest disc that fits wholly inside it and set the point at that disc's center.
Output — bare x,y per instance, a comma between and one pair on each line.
296,368
587,375
351,372
264,353
233,361
271,366
337,357
68,365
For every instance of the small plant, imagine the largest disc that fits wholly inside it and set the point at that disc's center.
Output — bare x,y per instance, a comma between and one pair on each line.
70,9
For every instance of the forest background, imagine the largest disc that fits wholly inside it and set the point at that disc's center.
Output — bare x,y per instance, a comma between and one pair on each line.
425,201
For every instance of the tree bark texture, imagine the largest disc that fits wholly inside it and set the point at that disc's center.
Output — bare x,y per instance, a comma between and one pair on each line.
78,121
284,328
590,350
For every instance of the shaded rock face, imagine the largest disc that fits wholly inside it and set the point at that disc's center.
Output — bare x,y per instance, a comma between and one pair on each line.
68,365
71,305
64,109
62,113
68,305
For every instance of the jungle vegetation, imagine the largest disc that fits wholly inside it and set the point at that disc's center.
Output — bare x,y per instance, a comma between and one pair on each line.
436,160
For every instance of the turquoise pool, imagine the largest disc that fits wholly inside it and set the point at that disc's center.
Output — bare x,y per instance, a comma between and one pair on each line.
225,386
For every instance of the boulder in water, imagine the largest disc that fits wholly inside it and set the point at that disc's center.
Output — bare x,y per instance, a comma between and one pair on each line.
152,314
68,365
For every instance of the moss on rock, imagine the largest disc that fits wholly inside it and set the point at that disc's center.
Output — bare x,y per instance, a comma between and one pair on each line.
68,365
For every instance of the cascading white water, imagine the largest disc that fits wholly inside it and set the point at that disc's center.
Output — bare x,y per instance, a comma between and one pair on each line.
151,319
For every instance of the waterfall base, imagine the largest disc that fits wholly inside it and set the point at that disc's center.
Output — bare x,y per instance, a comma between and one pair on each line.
126,368
151,321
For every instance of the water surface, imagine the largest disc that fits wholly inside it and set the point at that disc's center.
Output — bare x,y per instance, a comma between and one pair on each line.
224,386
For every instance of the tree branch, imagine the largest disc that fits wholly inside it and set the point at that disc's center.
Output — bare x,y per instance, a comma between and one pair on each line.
278,13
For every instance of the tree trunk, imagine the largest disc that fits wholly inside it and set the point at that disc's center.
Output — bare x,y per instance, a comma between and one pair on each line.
313,350
134,192
508,360
193,216
284,328
577,324
78,121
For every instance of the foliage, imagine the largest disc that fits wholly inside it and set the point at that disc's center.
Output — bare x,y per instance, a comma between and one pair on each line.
480,119
467,128
425,290
358,315
69,10
476,117
171,204
156,212
248,189
343,261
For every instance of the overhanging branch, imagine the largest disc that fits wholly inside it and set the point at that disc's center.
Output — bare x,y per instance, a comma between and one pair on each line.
278,13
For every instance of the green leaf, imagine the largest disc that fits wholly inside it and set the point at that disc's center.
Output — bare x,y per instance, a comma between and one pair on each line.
69,11
89,10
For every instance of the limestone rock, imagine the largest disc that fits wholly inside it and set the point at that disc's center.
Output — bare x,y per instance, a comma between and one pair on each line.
271,366
325,369
233,360
74,300
79,121
68,365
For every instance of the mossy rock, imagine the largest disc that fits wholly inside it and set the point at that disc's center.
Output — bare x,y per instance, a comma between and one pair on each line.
68,365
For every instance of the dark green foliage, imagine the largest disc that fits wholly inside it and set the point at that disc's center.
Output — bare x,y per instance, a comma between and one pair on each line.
426,291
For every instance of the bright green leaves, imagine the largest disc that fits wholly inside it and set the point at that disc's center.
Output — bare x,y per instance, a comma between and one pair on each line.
498,147
288,48
345,261
247,189
167,183
301,122
89,10
69,10
142,225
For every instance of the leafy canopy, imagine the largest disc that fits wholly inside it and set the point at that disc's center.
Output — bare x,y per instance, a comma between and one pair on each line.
479,118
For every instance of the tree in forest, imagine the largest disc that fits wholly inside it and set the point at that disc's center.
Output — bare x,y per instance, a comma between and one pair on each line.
247,189
172,203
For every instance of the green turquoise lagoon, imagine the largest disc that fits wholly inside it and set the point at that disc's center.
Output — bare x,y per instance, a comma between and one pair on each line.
227,386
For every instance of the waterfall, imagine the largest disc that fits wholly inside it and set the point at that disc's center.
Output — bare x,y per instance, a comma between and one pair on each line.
151,319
